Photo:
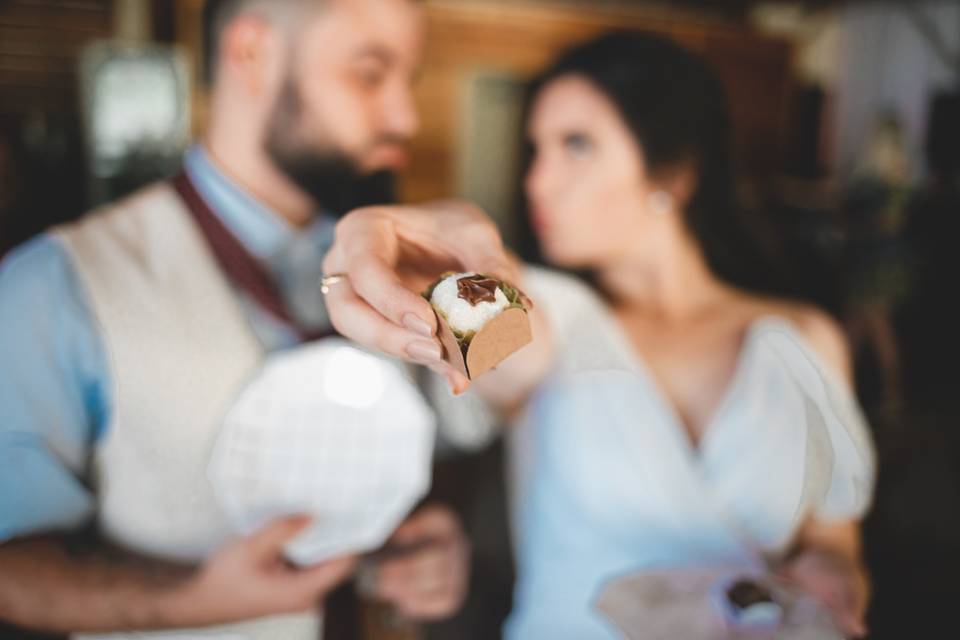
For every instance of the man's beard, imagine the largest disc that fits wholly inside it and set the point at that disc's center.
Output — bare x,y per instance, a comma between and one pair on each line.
329,176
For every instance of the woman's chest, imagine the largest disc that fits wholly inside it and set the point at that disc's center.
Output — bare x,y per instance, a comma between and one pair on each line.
692,367
609,457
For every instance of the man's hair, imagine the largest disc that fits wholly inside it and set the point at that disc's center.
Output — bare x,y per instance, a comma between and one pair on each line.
217,14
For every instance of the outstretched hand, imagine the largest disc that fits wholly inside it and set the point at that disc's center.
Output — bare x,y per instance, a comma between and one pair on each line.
389,255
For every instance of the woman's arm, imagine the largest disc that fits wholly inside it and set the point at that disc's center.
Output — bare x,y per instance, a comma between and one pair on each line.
826,562
827,559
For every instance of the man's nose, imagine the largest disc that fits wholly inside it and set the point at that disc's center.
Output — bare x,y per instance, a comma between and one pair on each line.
400,116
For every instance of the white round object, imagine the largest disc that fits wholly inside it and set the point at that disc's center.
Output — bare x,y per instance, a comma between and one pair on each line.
330,431
460,314
761,614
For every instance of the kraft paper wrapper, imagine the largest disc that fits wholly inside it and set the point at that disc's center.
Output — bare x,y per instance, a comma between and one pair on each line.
501,336
668,605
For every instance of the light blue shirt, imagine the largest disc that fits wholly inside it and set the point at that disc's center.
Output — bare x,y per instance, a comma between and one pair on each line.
55,382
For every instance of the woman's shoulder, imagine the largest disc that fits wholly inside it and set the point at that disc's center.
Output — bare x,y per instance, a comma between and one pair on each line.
551,281
587,333
813,347
821,333
561,294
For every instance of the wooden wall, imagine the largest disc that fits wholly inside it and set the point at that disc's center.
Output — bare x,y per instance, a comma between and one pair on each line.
188,30
39,44
40,135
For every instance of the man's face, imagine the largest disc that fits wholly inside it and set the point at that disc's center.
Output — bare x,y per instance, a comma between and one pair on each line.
344,112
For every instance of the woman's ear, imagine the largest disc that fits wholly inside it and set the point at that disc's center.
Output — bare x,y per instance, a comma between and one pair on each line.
679,183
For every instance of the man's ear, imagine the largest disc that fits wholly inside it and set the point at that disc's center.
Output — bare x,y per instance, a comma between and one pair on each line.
246,48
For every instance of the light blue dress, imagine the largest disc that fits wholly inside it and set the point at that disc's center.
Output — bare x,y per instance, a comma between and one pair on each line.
607,483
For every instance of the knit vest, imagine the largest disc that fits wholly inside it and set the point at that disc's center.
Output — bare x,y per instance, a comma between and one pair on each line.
180,349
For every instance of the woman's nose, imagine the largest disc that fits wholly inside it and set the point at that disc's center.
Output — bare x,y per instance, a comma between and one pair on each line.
537,182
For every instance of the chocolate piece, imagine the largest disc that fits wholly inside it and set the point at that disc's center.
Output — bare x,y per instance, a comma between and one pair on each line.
746,593
476,289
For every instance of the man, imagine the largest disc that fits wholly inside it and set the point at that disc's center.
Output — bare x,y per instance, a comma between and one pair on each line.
123,338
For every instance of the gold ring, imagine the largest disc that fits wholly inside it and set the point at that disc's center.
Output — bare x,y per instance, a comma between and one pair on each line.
326,282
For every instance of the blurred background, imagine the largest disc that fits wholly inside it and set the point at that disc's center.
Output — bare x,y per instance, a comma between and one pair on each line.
847,117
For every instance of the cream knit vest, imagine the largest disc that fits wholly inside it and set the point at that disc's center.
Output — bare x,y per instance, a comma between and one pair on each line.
180,349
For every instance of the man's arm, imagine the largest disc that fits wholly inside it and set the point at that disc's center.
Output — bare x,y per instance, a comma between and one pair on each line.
54,392
71,584
424,569
53,410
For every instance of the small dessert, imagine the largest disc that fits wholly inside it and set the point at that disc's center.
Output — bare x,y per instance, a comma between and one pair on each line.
752,605
482,320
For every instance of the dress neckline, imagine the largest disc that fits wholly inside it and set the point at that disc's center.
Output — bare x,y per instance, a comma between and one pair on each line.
669,410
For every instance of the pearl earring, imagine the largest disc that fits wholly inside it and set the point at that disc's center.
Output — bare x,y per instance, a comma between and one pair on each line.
660,203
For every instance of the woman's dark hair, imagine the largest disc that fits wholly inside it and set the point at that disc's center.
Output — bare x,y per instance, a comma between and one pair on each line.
676,108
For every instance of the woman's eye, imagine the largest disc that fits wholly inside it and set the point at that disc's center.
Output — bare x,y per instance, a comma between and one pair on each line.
577,143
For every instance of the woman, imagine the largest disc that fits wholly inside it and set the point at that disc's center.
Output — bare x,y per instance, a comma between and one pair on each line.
685,422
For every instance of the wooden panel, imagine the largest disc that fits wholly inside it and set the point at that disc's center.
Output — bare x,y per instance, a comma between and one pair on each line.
39,44
188,30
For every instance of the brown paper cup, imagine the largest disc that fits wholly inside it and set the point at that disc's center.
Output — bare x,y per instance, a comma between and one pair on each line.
503,335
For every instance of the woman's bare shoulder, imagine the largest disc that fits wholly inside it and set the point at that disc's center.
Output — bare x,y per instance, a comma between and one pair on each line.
820,330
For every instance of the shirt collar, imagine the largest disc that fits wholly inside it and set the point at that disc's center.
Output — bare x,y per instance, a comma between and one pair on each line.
262,231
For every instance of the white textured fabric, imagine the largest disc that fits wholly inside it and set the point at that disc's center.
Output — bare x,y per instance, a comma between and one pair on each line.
331,431
607,483
180,349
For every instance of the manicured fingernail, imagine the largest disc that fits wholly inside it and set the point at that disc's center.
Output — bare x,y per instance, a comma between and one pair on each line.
457,386
417,325
424,351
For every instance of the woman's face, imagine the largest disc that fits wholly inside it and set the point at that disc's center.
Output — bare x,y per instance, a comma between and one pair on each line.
586,186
